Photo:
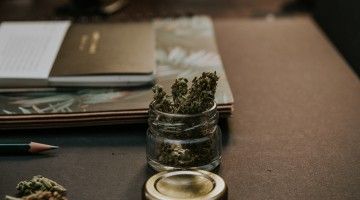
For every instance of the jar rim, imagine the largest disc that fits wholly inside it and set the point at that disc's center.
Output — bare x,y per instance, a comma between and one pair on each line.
183,115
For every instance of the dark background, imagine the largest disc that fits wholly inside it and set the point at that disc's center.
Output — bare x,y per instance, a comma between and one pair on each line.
340,19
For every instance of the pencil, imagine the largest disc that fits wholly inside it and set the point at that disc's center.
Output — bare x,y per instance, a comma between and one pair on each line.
32,147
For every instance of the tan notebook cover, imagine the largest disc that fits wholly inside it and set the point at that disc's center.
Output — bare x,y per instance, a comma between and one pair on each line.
106,49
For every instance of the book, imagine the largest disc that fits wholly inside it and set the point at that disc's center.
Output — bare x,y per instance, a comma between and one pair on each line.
85,55
185,47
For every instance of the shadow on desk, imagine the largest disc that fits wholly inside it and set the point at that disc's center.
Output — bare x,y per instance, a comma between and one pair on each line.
117,135
98,136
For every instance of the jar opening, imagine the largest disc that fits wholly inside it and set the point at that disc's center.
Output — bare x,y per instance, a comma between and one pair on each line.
177,115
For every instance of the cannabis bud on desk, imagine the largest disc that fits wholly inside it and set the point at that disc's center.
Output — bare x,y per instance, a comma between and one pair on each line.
39,188
183,131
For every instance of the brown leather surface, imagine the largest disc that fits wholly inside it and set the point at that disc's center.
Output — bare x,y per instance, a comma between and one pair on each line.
294,134
295,131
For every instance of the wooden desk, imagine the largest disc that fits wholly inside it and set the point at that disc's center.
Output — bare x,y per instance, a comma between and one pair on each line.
294,134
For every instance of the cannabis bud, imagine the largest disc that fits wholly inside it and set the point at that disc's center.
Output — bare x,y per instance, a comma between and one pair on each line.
39,188
39,183
40,195
161,100
184,100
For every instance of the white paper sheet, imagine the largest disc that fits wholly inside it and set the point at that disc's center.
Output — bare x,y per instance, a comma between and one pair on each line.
29,49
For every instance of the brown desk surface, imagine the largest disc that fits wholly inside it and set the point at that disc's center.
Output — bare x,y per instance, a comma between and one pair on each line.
295,132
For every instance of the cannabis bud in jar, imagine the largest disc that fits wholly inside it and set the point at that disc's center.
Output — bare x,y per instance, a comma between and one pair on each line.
183,131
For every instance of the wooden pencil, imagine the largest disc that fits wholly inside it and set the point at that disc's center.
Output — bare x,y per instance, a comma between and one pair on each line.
32,147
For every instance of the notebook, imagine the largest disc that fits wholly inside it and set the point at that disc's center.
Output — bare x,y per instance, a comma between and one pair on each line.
62,54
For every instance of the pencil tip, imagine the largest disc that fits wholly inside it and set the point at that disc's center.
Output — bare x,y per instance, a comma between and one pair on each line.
38,147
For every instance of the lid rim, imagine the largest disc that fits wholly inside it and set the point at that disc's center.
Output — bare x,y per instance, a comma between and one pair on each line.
218,190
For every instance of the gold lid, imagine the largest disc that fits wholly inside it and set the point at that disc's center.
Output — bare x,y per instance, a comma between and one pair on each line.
190,185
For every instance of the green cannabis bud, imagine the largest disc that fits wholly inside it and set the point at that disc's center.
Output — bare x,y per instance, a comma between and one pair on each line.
39,183
161,99
184,100
201,95
40,195
179,90
39,188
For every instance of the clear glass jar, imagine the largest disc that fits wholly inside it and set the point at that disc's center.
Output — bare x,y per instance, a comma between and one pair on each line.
183,141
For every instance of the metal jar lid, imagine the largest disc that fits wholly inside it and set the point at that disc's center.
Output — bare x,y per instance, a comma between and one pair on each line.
190,185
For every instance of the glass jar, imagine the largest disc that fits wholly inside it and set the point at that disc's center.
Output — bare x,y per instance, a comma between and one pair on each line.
183,141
